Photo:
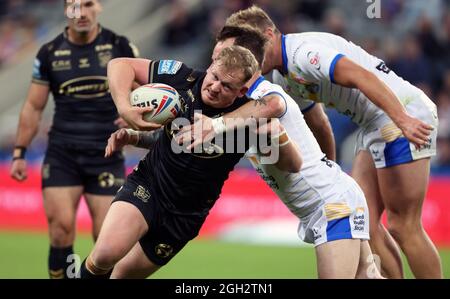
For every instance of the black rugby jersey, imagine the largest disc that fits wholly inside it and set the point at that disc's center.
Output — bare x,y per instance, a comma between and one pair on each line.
187,183
84,110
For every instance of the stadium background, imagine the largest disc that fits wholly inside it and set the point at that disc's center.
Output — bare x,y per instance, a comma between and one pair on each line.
249,233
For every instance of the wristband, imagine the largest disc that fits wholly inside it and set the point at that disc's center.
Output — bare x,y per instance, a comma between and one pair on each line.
218,125
19,152
286,142
280,139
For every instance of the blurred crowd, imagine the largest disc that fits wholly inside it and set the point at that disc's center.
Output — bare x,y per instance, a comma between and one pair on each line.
23,23
412,36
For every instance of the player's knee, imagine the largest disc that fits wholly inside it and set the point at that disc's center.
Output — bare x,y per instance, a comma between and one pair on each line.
62,233
105,257
402,228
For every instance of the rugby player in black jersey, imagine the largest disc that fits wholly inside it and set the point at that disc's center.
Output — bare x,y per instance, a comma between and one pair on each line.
73,68
166,199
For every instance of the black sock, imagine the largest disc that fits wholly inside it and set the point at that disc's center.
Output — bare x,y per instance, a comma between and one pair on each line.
57,262
86,274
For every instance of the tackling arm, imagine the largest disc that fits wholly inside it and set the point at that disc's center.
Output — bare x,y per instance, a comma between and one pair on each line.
350,74
270,106
290,158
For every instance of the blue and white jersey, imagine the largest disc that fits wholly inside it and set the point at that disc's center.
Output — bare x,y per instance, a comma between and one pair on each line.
318,179
309,60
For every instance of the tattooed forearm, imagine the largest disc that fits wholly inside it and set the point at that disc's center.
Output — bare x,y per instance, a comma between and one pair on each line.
261,101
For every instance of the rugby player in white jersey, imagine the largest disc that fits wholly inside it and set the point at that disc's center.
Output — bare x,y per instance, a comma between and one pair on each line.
397,137
330,205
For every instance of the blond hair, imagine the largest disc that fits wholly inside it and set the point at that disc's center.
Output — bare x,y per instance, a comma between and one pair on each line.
238,58
253,16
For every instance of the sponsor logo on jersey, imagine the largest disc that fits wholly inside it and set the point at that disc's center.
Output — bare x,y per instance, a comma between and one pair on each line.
169,67
59,53
163,250
269,179
142,193
84,63
191,95
426,146
299,87
104,47
314,59
104,58
316,233
106,180
36,69
359,219
88,87
61,65
46,171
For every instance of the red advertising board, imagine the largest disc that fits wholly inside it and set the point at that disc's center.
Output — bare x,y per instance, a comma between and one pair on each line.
244,197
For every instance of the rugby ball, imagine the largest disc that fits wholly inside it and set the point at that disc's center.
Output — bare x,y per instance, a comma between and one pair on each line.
162,98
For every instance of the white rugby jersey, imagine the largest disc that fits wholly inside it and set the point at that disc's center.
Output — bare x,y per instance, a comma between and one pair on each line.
309,60
318,178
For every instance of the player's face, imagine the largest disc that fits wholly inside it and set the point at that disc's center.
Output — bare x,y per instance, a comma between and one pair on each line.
221,87
220,46
84,13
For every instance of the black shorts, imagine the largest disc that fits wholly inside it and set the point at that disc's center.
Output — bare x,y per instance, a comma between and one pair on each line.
168,233
67,166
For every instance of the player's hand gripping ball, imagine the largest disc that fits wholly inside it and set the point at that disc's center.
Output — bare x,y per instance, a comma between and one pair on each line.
162,98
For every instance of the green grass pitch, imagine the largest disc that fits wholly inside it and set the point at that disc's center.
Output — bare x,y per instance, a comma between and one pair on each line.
24,255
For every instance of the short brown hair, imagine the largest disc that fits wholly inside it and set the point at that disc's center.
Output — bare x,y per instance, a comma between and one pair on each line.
238,58
253,16
247,37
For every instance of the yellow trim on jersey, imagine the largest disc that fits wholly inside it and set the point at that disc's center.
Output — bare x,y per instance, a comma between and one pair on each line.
42,82
390,132
337,211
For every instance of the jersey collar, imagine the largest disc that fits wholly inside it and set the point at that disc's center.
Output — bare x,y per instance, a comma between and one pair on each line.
66,35
284,55
254,86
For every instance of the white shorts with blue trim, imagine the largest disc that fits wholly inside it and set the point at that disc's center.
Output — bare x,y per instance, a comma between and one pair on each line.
343,215
386,143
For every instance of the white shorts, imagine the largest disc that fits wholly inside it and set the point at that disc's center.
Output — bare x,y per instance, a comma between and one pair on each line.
386,143
343,215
